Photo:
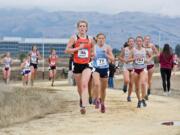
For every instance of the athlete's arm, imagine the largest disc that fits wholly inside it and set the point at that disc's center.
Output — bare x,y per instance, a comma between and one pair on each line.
131,59
22,65
49,60
150,56
39,55
109,53
69,47
121,56
155,50
92,49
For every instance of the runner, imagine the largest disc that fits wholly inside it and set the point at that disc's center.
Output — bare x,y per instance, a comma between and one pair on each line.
152,51
53,58
126,59
7,62
139,56
81,45
103,54
26,71
34,57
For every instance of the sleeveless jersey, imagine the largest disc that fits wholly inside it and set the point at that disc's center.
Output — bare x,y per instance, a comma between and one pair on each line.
140,57
100,60
127,53
83,55
7,62
149,50
34,57
52,60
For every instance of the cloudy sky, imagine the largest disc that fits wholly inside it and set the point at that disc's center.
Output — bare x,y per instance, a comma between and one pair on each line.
165,7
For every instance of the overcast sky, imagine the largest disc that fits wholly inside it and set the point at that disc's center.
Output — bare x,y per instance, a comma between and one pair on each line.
165,7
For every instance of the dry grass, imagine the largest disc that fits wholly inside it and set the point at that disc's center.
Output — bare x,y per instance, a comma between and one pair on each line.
23,104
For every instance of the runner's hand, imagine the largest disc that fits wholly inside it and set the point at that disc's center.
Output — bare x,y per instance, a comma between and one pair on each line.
81,46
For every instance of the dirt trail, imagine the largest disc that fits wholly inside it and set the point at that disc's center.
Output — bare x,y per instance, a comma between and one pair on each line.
121,118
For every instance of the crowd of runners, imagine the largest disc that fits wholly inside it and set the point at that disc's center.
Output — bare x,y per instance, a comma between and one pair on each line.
91,58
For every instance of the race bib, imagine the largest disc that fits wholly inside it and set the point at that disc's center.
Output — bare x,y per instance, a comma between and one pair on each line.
53,63
83,53
101,62
139,61
33,59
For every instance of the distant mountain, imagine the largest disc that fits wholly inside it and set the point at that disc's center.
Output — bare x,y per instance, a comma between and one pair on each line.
118,27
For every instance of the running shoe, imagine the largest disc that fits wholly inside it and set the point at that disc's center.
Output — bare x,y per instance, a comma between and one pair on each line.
129,99
94,101
139,104
83,110
97,104
103,108
144,103
125,88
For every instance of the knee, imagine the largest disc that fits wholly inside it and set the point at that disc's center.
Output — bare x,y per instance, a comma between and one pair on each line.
84,85
143,84
96,85
127,81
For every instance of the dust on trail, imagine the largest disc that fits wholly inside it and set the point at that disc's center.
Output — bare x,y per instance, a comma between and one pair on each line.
121,117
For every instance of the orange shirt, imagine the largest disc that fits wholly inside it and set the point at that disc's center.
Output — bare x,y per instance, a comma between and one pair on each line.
83,55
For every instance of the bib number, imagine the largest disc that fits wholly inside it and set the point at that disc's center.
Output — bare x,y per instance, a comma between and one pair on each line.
83,53
139,61
34,59
101,62
53,63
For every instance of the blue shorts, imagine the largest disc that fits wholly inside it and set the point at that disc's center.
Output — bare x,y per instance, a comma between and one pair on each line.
102,72
25,72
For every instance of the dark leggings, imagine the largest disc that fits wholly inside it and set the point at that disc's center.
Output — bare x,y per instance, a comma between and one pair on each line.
166,76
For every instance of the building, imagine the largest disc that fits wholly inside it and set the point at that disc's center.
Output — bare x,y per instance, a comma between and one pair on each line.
17,46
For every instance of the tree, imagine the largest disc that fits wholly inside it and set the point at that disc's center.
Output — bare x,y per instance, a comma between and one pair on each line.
22,56
177,49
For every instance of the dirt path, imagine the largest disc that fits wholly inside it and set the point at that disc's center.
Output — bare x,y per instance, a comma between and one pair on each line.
121,118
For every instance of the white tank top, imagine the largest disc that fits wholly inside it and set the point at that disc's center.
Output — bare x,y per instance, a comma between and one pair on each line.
34,58
140,57
27,65
127,54
7,62
149,50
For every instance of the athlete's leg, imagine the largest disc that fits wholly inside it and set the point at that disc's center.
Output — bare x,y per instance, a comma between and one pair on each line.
126,80
86,74
77,78
143,83
150,73
90,91
130,85
137,87
96,88
104,83
32,75
8,74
